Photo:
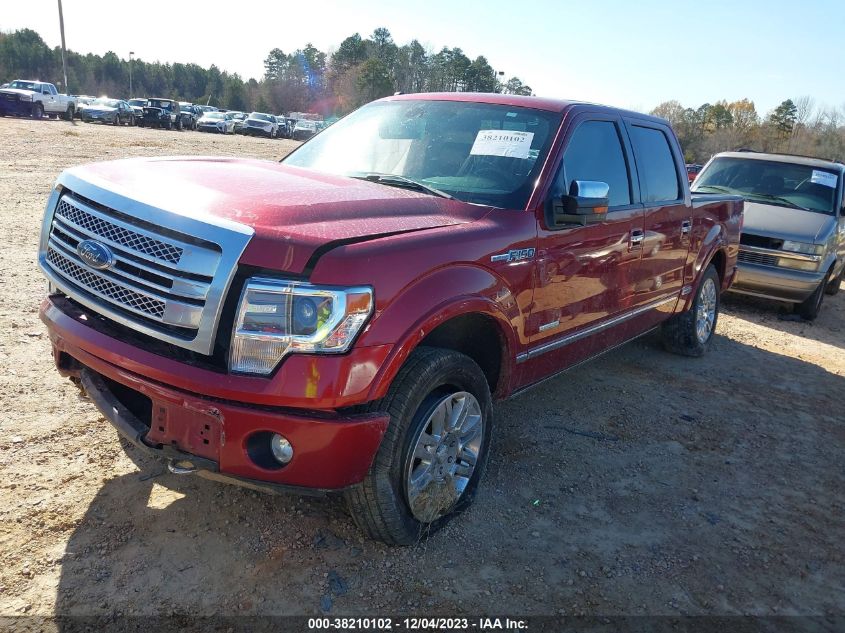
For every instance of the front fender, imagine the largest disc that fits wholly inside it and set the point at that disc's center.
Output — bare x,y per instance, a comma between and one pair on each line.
442,295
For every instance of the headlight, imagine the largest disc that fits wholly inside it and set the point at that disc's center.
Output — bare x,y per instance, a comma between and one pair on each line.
280,317
797,264
25,97
802,247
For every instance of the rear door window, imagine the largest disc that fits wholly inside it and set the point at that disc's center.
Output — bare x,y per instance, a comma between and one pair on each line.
655,164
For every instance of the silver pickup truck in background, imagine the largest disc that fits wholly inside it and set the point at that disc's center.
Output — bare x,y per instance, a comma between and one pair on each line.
792,246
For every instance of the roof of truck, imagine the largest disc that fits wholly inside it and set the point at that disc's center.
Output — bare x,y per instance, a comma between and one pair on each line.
785,158
538,103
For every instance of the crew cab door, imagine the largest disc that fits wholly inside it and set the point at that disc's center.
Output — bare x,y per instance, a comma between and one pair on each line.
668,210
586,274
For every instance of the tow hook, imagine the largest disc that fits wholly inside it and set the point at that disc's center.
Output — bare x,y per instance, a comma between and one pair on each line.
181,467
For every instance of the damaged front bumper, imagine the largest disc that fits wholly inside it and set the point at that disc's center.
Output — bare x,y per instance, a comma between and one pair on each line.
214,437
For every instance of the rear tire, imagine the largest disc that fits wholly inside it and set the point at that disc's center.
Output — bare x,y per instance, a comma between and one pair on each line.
809,309
423,474
69,113
690,333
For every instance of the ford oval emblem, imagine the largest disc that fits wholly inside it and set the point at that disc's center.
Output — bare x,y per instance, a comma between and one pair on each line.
94,254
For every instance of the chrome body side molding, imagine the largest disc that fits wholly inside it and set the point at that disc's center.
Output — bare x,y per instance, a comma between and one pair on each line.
594,329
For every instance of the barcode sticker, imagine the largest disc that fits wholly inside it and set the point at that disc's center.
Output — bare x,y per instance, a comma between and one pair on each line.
824,178
502,143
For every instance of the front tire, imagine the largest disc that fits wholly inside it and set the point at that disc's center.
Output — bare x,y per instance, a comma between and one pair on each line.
38,111
690,333
833,287
434,451
809,308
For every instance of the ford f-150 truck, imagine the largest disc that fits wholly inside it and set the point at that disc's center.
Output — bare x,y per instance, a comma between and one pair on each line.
342,321
35,99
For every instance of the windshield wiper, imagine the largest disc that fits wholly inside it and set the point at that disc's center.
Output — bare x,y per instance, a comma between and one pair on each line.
395,180
788,203
716,187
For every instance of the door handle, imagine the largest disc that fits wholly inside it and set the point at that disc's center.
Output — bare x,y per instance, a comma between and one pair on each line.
637,238
686,227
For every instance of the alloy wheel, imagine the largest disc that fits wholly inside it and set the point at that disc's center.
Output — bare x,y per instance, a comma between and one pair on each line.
444,455
705,315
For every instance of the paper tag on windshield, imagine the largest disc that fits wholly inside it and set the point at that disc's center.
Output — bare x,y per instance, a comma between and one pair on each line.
502,143
824,178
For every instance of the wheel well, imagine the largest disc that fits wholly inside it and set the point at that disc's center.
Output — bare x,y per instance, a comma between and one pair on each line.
479,337
718,262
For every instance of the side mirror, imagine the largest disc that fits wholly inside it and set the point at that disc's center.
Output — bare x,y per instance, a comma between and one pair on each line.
586,203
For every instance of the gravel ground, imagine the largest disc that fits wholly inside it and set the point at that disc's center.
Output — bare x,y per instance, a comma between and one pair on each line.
642,483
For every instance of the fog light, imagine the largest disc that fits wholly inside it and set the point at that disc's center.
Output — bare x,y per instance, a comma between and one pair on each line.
281,449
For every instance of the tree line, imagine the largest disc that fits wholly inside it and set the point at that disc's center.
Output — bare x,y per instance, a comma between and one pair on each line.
362,69
304,80
796,126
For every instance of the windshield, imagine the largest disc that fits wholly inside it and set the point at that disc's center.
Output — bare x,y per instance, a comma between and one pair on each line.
137,102
111,103
770,182
157,103
24,85
306,125
260,116
213,115
476,152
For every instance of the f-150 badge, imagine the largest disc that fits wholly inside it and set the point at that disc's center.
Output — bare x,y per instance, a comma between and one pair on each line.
515,255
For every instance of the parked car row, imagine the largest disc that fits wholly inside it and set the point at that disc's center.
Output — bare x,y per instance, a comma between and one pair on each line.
257,124
38,99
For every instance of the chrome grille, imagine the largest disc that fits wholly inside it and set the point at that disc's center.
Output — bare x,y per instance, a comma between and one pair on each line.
757,258
168,273
119,235
105,288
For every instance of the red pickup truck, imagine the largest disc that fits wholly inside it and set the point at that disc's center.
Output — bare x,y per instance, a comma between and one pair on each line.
342,321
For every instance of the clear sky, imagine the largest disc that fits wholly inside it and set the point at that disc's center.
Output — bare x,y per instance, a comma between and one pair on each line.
630,53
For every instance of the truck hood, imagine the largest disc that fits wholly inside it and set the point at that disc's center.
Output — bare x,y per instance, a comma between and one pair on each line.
785,223
293,211
17,91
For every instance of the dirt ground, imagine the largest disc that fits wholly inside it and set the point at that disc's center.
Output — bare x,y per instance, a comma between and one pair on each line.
642,483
